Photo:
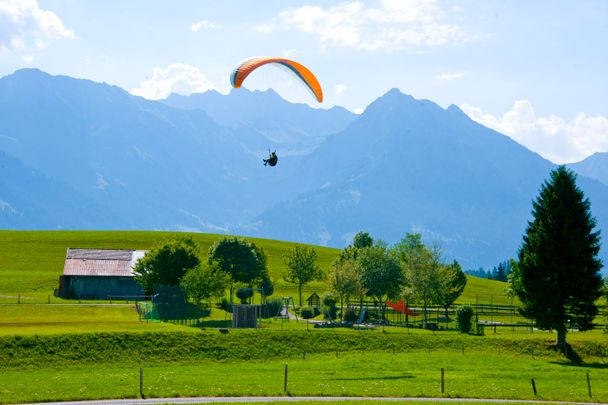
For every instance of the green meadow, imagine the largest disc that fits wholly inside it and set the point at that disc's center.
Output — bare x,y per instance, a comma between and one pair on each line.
32,261
90,350
98,366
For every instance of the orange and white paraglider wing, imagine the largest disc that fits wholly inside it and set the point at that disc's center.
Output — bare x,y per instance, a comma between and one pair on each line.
306,76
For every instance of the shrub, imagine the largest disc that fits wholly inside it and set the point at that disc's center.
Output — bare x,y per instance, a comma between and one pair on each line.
244,294
464,315
267,286
330,313
329,300
329,307
350,315
273,306
307,312
225,305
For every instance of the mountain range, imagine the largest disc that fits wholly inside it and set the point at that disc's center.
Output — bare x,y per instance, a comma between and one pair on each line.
83,155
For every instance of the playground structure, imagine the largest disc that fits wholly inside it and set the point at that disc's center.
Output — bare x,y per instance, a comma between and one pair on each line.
284,313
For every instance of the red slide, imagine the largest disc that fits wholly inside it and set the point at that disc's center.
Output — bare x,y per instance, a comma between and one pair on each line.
401,307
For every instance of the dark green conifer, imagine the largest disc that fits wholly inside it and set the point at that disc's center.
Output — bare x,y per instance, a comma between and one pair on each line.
558,276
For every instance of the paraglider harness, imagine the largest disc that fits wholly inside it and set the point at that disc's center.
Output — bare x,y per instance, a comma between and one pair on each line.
272,159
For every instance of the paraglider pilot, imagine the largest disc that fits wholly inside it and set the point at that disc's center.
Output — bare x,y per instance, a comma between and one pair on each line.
272,159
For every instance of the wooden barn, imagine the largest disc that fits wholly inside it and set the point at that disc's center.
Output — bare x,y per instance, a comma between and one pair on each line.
100,274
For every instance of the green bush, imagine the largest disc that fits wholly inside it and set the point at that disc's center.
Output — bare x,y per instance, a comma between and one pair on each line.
329,300
267,286
330,313
273,306
307,312
244,294
329,307
464,316
350,315
225,305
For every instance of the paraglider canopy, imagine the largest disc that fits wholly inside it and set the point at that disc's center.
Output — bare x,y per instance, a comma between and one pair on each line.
245,68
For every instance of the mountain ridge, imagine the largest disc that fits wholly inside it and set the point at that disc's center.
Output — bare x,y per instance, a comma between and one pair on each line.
403,165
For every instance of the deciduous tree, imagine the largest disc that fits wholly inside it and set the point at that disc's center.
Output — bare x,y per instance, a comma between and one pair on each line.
241,259
204,282
166,264
345,281
302,267
421,268
362,240
381,275
452,282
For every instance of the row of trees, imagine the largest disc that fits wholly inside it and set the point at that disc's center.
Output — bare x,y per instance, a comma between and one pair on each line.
410,271
230,261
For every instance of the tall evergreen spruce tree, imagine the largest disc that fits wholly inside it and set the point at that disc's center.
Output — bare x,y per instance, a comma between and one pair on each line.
558,279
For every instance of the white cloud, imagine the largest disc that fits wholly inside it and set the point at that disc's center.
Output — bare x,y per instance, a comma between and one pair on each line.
101,182
204,24
26,27
553,137
340,88
450,76
359,110
176,78
263,29
393,25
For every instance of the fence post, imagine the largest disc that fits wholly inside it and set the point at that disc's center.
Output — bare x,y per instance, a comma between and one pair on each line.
442,380
18,298
588,384
285,381
141,382
533,386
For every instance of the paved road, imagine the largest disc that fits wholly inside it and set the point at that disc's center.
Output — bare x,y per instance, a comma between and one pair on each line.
212,400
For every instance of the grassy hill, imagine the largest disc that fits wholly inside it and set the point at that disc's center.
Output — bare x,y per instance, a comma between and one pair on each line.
32,261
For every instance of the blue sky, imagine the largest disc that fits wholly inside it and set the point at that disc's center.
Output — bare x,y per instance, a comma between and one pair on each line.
537,71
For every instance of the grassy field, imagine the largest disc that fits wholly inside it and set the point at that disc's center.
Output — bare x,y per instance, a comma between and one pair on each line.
32,261
252,363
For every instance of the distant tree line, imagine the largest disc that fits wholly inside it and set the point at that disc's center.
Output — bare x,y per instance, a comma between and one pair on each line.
499,273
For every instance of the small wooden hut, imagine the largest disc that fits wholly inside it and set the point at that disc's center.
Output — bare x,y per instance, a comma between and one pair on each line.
314,300
100,274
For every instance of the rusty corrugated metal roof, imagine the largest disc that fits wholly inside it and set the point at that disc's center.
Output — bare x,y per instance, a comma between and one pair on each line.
85,267
100,262
99,254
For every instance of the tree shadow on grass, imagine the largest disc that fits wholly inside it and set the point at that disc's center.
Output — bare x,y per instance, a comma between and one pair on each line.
575,360
598,366
214,323
395,377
